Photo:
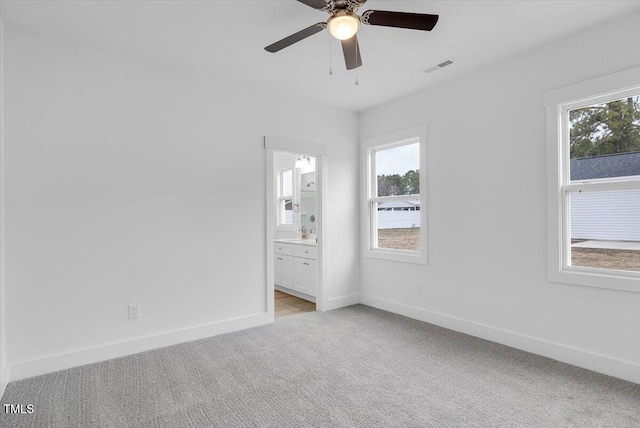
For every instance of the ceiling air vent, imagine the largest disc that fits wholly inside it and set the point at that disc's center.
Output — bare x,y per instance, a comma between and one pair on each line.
437,66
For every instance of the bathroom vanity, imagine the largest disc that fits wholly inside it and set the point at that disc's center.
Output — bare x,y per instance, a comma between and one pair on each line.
296,267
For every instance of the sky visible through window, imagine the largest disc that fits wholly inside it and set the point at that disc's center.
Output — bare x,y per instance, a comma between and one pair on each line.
398,160
287,183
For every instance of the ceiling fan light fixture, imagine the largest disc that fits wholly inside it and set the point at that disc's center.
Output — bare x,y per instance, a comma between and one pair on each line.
343,25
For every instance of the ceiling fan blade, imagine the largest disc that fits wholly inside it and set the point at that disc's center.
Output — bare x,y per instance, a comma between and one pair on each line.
295,38
413,21
351,50
316,4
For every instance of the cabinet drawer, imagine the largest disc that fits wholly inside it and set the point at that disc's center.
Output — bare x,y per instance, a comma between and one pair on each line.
286,249
305,251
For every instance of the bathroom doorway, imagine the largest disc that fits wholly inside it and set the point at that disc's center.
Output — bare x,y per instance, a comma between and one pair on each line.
294,230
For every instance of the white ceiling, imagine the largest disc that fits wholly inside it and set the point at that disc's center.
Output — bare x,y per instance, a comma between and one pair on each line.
225,39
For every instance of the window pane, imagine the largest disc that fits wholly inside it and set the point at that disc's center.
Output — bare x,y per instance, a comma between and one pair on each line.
605,140
398,170
287,183
286,211
605,229
398,224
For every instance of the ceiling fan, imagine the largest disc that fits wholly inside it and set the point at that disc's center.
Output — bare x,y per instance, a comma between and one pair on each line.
343,24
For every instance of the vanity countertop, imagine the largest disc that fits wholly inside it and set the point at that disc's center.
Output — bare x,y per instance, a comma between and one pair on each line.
309,242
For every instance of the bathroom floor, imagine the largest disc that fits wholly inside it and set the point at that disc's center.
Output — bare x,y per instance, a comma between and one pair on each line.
287,305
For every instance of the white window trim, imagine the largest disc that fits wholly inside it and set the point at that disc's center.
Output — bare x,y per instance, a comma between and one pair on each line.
279,186
557,103
369,146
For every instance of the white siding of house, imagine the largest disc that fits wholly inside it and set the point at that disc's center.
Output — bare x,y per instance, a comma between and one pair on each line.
613,215
398,219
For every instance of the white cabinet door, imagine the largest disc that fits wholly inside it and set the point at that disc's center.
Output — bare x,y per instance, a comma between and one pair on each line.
287,271
313,277
278,270
305,276
300,274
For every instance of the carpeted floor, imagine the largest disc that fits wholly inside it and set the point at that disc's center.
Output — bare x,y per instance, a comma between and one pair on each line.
355,366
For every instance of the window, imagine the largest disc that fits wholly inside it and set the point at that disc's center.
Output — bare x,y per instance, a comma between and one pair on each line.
594,198
395,196
285,198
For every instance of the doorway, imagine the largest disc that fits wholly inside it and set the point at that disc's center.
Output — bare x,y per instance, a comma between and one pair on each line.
294,229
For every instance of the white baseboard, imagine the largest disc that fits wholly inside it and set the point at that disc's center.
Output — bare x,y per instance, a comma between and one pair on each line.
621,369
341,302
4,380
295,293
96,354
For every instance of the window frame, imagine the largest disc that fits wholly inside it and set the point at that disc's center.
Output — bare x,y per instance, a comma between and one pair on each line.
416,134
558,104
282,198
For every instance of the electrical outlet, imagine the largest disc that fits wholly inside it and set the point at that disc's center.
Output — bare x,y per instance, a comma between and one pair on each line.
418,287
134,311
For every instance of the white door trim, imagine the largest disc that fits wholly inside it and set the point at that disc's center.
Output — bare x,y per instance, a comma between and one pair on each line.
292,146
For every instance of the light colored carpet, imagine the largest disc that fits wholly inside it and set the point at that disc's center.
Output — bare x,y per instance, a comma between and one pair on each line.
355,366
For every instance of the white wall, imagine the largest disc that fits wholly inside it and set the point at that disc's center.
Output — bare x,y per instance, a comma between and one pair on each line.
487,271
3,349
135,182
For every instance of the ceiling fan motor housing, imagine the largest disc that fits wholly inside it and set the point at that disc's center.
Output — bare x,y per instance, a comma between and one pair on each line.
334,6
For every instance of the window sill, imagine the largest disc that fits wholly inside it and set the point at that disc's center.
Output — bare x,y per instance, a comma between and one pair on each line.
397,256
611,280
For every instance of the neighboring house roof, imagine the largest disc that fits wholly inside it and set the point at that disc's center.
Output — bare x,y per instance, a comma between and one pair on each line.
606,166
399,204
